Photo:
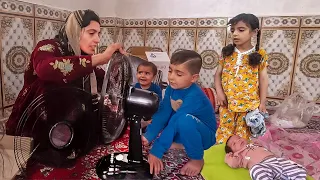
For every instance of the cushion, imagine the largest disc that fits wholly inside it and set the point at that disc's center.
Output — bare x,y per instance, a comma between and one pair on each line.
212,95
216,169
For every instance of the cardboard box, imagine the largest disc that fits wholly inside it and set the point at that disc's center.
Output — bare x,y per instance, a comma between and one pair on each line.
139,51
162,61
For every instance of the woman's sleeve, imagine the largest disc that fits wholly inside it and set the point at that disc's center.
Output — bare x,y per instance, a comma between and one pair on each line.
50,65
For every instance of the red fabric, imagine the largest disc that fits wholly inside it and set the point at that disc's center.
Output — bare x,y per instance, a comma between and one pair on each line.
211,93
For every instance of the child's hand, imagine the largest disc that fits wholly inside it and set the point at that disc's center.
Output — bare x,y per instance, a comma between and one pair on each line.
232,160
222,99
144,140
262,108
155,163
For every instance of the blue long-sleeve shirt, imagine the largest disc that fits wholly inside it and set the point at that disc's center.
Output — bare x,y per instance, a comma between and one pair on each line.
194,102
154,88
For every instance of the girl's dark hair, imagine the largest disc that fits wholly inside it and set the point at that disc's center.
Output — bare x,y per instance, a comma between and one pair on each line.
253,23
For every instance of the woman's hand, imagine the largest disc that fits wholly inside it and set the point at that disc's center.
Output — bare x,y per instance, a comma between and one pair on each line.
103,58
113,48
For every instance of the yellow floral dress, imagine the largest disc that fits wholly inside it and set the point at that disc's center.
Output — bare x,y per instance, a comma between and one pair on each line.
240,83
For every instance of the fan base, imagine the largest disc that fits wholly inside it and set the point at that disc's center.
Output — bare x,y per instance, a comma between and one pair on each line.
118,166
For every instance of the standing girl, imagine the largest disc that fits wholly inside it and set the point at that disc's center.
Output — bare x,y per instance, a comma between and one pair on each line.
241,79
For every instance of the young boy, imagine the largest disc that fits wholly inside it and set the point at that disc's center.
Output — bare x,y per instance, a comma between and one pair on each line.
185,115
262,163
146,73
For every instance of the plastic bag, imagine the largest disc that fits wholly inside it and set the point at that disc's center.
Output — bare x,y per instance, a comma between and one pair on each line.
294,112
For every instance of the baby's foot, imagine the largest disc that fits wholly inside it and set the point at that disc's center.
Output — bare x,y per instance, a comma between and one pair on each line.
192,168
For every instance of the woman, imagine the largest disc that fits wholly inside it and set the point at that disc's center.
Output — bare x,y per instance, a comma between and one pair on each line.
67,59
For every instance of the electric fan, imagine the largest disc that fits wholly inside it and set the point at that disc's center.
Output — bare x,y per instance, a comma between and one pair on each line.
131,165
63,125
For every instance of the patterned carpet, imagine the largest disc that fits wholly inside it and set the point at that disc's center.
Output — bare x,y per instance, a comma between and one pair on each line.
312,127
173,160
85,166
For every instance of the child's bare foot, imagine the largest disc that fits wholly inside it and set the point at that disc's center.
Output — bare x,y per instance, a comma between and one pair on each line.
176,146
192,168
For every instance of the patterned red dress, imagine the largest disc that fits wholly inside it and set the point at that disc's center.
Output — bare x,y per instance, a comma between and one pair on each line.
50,67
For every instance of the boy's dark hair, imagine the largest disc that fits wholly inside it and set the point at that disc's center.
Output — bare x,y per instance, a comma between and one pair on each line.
253,23
192,59
149,64
228,148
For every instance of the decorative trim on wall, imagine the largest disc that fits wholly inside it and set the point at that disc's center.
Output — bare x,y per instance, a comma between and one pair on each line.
280,21
17,7
183,22
108,21
212,22
157,22
47,13
134,23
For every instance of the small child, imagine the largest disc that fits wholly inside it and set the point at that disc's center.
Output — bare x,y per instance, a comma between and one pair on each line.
262,164
185,116
146,73
241,79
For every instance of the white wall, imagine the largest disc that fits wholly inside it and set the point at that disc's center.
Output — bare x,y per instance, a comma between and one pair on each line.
136,9
106,10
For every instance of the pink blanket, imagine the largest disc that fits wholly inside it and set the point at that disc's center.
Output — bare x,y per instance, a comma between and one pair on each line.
303,148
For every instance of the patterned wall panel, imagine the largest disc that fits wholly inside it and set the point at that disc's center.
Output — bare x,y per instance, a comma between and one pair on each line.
64,15
209,44
119,35
17,40
181,39
46,29
16,7
157,34
47,12
107,37
280,45
307,69
158,38
182,34
133,37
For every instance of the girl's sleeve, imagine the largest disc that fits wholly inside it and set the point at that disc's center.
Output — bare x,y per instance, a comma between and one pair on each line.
264,60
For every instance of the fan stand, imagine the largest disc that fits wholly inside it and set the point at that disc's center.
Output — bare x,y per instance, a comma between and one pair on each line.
129,165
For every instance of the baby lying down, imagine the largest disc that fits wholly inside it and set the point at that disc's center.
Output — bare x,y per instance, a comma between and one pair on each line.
263,164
